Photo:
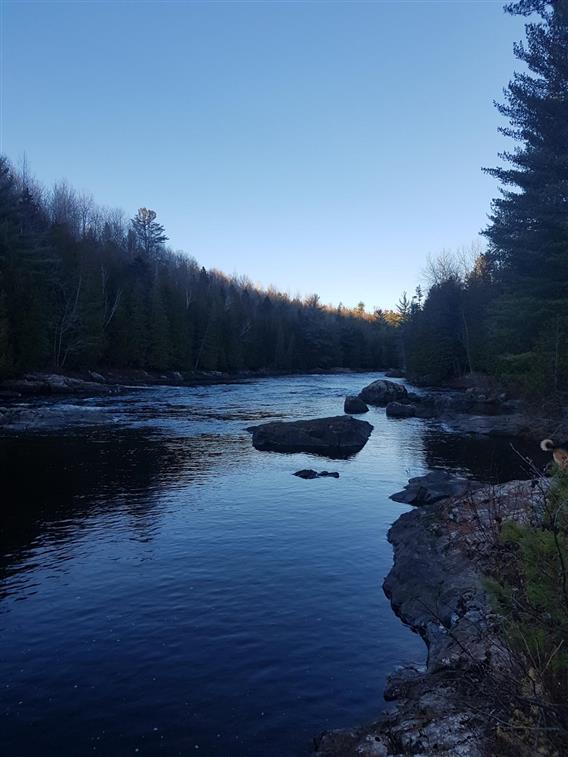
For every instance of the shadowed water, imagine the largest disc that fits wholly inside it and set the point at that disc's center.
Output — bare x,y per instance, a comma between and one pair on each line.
167,589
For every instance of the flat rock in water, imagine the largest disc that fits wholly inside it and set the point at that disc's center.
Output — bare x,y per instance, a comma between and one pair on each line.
381,392
308,473
336,437
424,490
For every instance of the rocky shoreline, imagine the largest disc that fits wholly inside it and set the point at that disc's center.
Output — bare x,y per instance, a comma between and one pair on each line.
84,382
441,552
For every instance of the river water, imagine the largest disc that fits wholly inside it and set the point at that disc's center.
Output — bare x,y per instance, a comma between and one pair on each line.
167,589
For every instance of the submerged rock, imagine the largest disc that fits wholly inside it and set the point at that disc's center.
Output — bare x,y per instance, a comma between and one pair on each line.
355,405
401,410
381,392
308,473
338,436
424,490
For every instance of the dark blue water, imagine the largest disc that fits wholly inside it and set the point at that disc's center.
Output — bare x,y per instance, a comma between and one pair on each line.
166,589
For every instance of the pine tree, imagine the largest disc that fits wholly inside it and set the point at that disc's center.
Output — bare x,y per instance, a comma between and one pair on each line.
528,231
149,233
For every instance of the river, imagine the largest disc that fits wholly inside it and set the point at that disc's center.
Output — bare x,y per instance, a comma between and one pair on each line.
167,589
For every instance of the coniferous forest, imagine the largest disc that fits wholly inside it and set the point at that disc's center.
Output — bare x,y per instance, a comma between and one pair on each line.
506,313
83,287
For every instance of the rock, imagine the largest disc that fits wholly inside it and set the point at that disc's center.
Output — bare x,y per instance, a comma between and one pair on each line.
338,437
354,404
399,683
424,490
395,373
400,410
436,587
515,424
308,473
382,392
53,383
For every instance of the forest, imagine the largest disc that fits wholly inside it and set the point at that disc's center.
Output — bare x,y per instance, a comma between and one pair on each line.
81,286
506,314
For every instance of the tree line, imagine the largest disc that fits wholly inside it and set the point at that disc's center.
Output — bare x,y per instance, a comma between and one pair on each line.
505,312
83,287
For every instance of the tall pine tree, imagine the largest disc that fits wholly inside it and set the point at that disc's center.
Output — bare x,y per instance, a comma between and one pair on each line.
528,231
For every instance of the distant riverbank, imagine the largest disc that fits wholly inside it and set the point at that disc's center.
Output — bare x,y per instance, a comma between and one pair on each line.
112,380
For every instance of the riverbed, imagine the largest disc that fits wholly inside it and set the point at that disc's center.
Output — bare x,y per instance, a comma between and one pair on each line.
167,589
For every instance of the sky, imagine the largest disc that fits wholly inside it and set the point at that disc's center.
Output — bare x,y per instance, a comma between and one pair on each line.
319,146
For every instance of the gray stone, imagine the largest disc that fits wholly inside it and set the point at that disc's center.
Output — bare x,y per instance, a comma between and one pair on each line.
436,485
381,392
336,437
308,473
354,404
400,410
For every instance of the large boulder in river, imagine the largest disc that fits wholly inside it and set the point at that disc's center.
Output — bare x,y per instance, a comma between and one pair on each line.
381,392
339,436
439,484
401,410
354,404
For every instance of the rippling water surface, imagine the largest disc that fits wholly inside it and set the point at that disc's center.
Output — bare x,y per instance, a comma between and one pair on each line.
166,589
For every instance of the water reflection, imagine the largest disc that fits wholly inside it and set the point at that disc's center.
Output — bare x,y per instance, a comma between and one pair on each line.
492,459
54,484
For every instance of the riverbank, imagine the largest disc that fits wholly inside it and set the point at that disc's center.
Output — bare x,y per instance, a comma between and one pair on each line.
452,707
38,384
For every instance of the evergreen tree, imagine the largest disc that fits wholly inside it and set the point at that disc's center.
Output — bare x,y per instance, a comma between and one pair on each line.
528,232
80,289
149,233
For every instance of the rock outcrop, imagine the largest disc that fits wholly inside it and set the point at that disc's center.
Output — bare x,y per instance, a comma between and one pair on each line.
381,392
435,586
354,405
55,383
337,437
436,485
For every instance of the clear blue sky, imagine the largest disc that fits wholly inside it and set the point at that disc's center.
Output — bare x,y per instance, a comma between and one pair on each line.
316,146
